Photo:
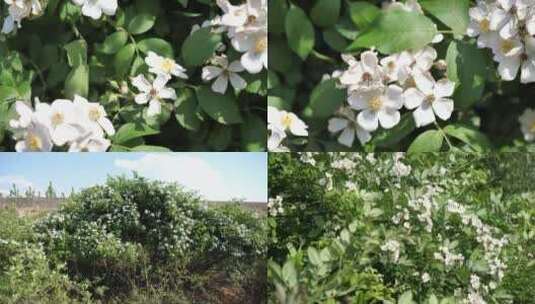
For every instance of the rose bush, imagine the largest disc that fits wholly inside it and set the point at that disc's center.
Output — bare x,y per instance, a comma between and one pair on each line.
414,75
381,228
136,75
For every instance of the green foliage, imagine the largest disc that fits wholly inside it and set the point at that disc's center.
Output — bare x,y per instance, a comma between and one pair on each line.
330,238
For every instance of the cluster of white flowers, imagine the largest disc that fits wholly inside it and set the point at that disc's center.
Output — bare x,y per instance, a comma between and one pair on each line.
393,247
400,169
95,8
275,206
507,27
246,27
279,123
447,257
308,158
154,93
379,88
19,10
78,124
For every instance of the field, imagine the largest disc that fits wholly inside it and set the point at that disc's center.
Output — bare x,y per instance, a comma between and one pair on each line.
395,228
132,241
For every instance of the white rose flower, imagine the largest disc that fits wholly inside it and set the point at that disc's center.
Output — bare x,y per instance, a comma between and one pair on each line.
224,72
378,106
165,66
153,93
429,98
95,8
93,115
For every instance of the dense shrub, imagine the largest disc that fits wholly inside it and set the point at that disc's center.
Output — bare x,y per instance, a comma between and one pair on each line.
132,240
421,228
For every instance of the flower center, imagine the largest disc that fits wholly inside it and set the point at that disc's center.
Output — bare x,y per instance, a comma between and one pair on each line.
261,45
286,121
430,99
94,114
34,142
251,19
168,65
391,65
376,103
57,119
532,128
153,92
484,25
507,46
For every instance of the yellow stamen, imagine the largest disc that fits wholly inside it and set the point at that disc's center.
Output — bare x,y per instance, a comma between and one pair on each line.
484,26
430,99
506,46
286,121
94,114
261,45
168,65
33,142
57,119
376,103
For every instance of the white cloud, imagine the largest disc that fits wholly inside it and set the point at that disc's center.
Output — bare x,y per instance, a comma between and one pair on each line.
7,181
192,172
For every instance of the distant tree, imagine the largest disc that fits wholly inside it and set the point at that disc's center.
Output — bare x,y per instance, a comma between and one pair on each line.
50,192
14,192
30,193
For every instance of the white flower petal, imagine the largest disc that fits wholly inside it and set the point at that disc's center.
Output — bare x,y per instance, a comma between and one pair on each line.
368,120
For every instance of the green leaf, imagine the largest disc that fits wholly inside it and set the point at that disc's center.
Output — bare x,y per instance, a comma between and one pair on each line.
325,13
222,108
406,298
326,99
200,46
123,59
77,82
470,136
131,131
363,13
388,138
186,110
467,67
299,31
76,53
386,34
276,15
453,13
429,141
141,23
146,148
314,256
289,273
253,134
158,46
114,42
432,299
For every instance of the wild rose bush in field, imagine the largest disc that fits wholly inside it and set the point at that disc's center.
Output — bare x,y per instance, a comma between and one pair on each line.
430,228
416,75
78,75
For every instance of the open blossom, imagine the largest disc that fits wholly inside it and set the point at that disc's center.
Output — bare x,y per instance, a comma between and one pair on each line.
224,72
429,98
393,247
349,127
95,8
79,125
154,93
164,66
507,27
378,106
18,10
279,123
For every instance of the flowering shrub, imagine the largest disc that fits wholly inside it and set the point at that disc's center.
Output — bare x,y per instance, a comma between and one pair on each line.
365,228
84,75
414,75
110,234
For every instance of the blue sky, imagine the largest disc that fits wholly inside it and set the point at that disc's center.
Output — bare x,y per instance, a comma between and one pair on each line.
217,176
